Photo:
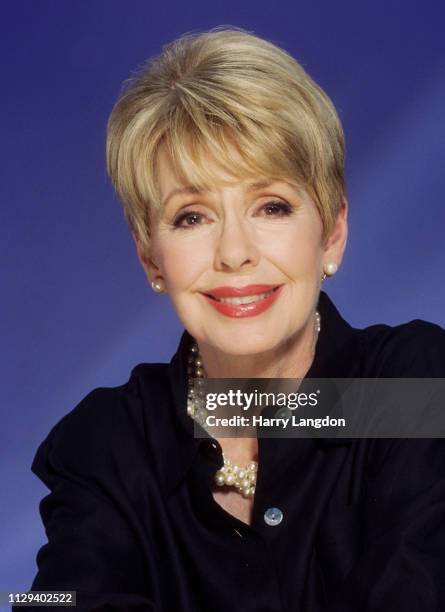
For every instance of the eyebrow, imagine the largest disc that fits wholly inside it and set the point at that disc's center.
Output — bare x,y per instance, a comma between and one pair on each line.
256,186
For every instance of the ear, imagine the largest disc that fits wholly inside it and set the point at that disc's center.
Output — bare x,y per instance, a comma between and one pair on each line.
335,243
151,270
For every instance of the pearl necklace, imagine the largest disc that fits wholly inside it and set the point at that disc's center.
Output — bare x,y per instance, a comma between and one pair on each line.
243,478
231,475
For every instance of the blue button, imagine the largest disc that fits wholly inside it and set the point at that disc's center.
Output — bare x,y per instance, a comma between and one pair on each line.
273,516
283,413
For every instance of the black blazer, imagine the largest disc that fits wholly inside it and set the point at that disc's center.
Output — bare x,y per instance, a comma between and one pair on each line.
132,523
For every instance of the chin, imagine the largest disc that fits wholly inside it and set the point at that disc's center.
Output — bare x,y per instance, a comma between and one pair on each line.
246,342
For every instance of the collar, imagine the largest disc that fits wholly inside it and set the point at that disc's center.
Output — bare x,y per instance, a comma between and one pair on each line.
337,344
171,433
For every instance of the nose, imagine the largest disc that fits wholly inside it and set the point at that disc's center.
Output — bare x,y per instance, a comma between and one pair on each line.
236,247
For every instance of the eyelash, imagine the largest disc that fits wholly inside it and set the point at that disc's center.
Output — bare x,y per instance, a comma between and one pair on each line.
285,210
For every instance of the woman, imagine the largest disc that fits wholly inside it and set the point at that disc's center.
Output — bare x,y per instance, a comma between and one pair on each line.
228,159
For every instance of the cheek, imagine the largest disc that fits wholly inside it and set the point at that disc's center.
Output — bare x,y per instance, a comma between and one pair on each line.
296,250
182,263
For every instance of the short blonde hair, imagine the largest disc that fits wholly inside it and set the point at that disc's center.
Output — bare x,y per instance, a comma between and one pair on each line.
210,94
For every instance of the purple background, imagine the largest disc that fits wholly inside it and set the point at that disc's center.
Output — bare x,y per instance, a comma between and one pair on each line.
76,310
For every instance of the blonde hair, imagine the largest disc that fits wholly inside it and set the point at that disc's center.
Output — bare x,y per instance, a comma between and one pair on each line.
210,94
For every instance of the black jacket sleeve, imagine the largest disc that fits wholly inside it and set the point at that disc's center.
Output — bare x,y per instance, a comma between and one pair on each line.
91,546
402,533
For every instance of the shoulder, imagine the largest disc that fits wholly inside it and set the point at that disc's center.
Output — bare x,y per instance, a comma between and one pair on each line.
108,423
414,349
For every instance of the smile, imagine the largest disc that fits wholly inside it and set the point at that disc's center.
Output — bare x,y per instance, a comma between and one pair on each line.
247,299
248,305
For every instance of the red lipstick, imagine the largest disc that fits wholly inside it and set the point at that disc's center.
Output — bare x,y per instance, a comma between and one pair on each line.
223,292
266,294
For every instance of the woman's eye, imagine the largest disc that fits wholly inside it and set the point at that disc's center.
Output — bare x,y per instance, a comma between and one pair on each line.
187,220
277,209
190,219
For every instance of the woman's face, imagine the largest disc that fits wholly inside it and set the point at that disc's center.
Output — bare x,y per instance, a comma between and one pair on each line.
233,238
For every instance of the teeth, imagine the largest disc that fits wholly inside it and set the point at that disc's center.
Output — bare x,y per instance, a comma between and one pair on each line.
246,299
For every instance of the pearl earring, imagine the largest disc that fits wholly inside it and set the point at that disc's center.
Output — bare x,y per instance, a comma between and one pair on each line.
157,285
329,270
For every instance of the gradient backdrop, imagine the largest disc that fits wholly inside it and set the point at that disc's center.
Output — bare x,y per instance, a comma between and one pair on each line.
76,310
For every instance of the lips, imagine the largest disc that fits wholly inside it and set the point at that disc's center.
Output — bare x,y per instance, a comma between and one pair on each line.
246,301
228,292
